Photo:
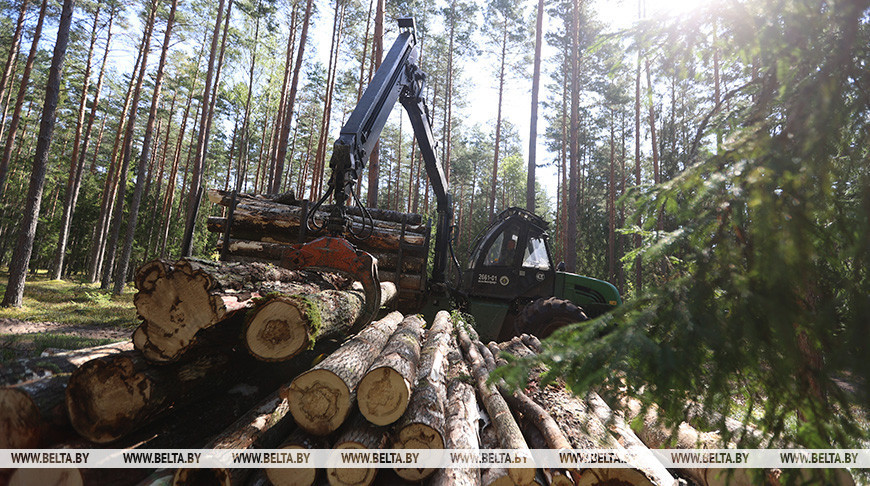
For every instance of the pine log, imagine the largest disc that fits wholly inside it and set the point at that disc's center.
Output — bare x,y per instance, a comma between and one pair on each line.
382,217
264,251
178,300
321,398
385,390
251,226
359,434
66,362
422,425
493,476
509,434
52,477
280,326
282,476
531,411
107,398
263,427
536,440
648,464
31,411
461,425
532,342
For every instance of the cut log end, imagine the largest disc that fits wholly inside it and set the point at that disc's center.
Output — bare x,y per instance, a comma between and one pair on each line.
496,477
53,477
277,331
282,476
105,398
20,427
417,436
348,476
383,396
319,401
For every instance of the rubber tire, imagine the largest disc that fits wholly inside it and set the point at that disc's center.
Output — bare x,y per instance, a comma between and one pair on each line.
543,316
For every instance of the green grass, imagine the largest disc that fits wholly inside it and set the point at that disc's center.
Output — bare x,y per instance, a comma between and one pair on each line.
71,303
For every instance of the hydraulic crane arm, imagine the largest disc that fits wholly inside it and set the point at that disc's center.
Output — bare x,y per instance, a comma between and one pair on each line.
398,78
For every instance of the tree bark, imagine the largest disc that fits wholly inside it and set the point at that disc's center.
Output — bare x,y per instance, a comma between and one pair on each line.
30,411
385,390
14,46
144,156
501,75
377,57
573,143
19,101
76,164
279,327
23,370
21,256
508,432
422,425
178,300
461,424
321,399
533,126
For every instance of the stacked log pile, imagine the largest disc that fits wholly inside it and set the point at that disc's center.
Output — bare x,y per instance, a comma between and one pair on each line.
402,382
263,227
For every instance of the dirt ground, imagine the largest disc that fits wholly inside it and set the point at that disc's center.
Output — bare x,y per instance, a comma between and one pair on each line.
16,327
24,339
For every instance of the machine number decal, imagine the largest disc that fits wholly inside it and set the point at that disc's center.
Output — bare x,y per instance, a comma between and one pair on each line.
486,279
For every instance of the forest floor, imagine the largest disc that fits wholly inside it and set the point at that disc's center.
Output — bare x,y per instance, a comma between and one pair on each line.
63,314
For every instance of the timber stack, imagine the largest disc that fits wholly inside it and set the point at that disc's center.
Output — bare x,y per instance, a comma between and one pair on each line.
262,228
245,355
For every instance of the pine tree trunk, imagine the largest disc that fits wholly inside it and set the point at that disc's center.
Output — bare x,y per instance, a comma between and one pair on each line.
14,47
385,390
533,126
321,399
377,57
495,158
144,156
21,256
19,101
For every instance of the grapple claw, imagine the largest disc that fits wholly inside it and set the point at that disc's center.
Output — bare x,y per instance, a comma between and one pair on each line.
338,255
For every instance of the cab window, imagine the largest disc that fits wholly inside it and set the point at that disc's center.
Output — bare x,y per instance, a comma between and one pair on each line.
503,249
535,255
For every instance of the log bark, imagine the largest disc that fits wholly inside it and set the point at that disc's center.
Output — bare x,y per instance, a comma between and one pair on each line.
654,470
422,425
509,434
461,424
321,399
282,476
536,440
531,411
288,200
253,226
263,427
273,252
385,390
30,411
358,435
30,369
279,327
107,398
178,300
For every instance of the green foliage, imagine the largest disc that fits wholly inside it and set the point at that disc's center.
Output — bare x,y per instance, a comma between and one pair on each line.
761,285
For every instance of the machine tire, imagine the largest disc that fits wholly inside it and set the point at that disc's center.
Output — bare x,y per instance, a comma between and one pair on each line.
543,316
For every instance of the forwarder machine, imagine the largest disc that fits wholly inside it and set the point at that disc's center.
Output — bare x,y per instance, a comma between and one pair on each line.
510,285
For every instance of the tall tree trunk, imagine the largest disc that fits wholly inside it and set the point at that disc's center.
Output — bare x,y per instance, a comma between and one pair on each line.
19,102
638,270
21,257
74,179
284,137
14,46
246,138
657,174
280,116
377,56
127,153
611,204
573,143
202,139
86,138
144,156
498,120
533,126
110,184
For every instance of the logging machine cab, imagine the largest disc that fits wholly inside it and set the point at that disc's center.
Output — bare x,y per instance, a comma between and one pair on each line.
510,285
